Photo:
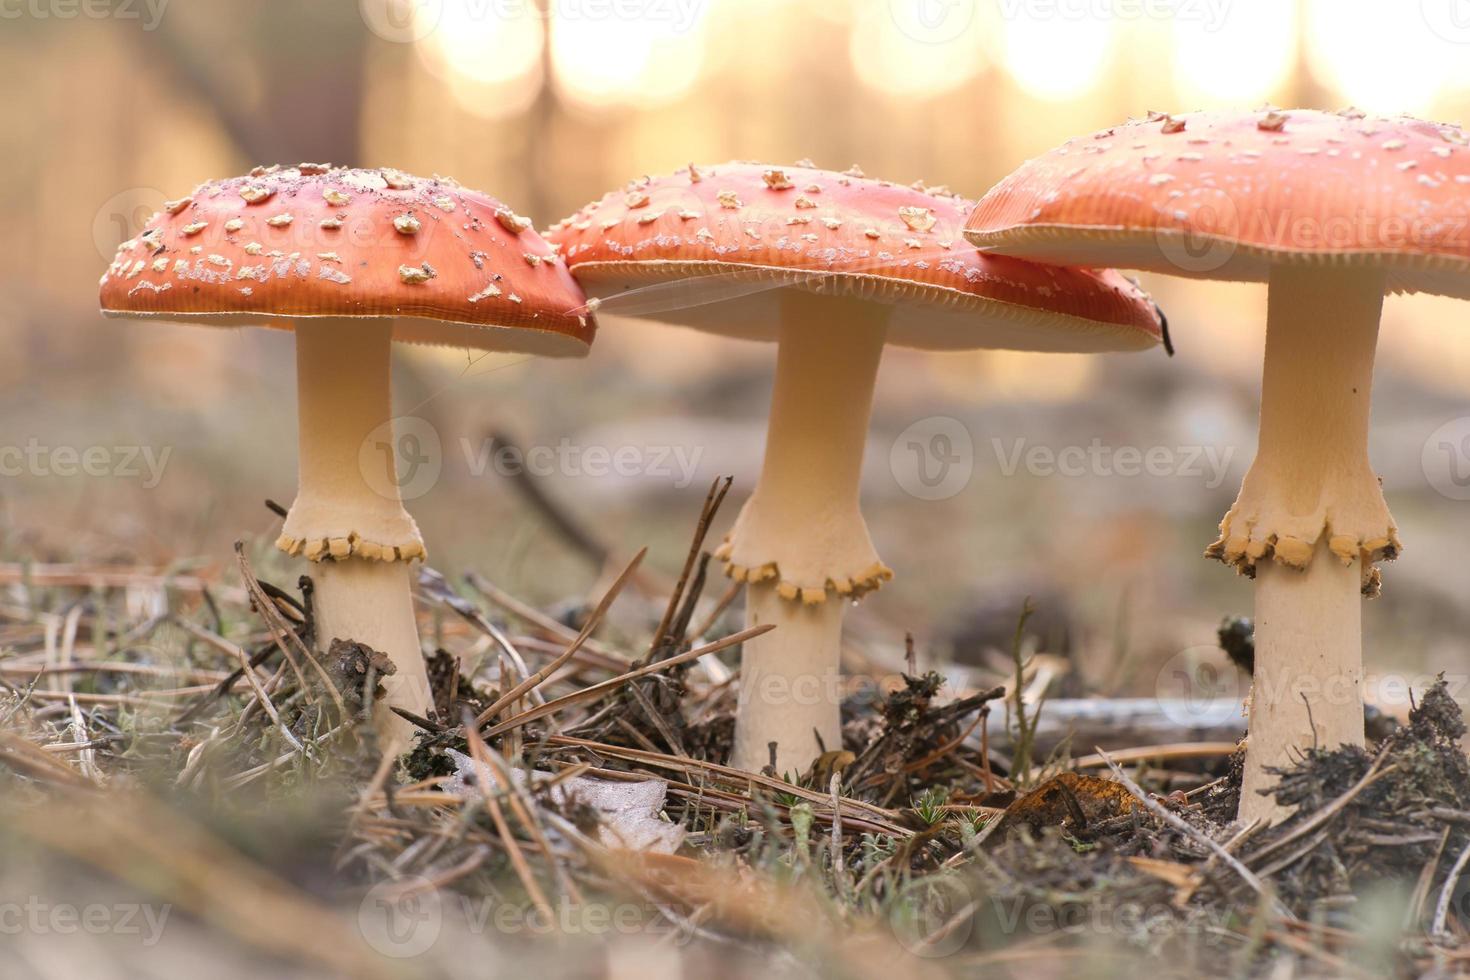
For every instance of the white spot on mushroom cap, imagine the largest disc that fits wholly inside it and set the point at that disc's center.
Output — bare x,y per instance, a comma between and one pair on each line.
406,224
396,179
256,193
777,180
917,218
512,222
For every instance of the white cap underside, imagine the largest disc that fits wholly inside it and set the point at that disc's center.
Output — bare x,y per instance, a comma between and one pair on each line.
407,330
923,316
1194,256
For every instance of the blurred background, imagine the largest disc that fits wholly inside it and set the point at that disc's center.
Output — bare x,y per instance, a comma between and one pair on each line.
157,443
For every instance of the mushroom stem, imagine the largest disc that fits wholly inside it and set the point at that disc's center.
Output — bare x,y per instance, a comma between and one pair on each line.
1312,464
807,496
344,397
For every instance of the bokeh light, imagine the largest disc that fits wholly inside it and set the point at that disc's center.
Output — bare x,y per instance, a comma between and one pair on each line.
1381,55
488,54
610,59
1053,54
1238,55
891,52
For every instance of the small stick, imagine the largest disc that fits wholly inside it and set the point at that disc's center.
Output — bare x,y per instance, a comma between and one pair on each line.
712,501
597,690
535,616
1180,825
593,621
1329,811
835,786
720,607
265,701
1442,907
279,631
479,751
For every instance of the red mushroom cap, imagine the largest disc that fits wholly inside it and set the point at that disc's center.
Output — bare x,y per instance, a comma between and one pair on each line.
452,266
1225,195
735,233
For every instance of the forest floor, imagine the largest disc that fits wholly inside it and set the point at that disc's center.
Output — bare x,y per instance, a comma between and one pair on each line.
174,755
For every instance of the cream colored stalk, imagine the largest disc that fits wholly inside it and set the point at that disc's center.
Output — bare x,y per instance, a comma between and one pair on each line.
348,516
1311,501
800,541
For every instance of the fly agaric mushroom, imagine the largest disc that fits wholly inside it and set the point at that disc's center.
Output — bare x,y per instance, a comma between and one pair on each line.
1332,210
831,266
352,260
